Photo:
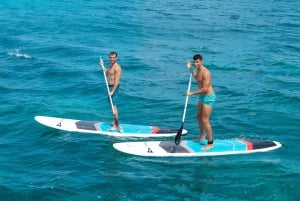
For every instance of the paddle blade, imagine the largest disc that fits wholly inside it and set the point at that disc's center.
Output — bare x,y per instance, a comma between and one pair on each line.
178,135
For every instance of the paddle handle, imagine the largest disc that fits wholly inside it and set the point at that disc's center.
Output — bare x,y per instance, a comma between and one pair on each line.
106,83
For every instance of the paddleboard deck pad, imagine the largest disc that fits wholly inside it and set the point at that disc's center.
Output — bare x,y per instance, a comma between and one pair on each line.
96,127
188,148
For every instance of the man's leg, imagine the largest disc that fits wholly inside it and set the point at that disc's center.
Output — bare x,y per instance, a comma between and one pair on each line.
116,116
207,127
201,126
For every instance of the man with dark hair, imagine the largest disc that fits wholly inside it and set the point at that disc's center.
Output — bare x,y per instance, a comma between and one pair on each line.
113,73
207,98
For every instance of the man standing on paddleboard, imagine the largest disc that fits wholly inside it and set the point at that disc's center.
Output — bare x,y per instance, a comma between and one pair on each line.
206,99
113,74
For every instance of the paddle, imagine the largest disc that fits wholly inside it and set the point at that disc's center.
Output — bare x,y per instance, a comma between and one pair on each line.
179,132
110,99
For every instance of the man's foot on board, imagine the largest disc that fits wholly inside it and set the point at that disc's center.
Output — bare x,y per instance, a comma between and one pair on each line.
120,129
113,128
199,139
210,145
207,147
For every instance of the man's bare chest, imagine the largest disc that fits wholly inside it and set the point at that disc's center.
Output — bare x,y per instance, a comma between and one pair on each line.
199,77
111,71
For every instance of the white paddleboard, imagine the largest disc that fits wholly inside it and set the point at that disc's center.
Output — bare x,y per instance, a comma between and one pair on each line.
102,128
188,148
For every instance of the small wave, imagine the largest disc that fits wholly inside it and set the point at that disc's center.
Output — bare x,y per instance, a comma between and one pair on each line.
17,53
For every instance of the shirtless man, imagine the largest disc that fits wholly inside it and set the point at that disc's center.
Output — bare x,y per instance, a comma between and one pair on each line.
113,74
207,98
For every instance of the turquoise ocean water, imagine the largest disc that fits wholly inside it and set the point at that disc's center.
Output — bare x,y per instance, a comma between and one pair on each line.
49,53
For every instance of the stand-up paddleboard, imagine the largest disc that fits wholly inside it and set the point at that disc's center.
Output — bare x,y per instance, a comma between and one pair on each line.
188,148
102,128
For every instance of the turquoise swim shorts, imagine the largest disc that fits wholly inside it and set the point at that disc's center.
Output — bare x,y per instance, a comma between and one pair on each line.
207,99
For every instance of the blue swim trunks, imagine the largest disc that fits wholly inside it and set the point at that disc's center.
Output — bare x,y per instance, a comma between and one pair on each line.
115,96
207,99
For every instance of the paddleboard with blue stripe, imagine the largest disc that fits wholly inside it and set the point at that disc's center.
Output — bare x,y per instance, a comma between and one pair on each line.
188,148
96,127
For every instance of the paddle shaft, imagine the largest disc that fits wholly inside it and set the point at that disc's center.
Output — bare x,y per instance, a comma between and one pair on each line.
108,91
178,136
187,98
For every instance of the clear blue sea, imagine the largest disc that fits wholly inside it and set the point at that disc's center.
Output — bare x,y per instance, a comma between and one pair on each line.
49,54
